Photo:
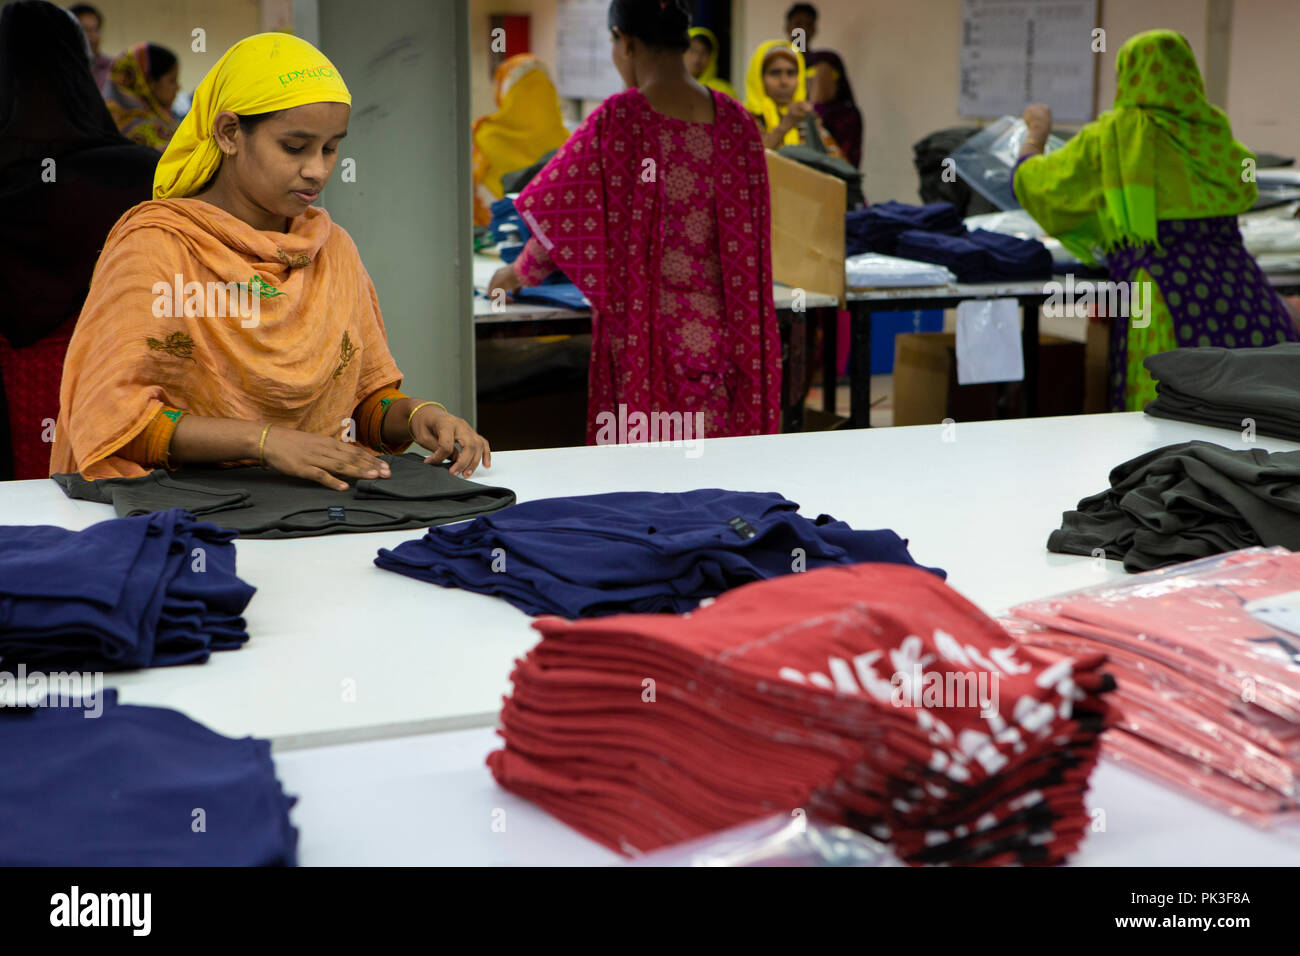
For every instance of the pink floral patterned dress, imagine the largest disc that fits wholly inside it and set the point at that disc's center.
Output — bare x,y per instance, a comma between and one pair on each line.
665,226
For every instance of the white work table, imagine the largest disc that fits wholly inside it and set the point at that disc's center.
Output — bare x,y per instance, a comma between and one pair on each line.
422,658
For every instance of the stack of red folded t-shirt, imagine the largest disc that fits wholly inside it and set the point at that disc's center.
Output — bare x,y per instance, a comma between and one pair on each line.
872,695
1206,656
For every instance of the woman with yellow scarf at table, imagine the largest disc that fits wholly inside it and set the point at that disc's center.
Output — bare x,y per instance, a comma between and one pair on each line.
776,93
702,61
526,126
230,320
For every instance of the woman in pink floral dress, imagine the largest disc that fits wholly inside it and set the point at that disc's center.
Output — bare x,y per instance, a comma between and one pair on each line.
657,209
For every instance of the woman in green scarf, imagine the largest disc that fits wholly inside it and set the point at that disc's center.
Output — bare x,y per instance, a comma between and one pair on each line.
1152,190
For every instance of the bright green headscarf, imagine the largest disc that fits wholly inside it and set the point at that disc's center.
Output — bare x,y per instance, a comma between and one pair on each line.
1163,152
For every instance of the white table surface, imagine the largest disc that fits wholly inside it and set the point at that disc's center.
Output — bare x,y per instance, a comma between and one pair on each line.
485,265
430,801
341,650
422,658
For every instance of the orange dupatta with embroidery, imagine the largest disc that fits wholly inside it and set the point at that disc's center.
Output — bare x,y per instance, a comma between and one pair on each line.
304,356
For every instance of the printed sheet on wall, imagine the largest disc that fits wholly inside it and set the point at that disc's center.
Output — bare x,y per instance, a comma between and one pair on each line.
1017,52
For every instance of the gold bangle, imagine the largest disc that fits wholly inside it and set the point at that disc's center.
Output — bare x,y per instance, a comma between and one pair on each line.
410,419
261,447
1033,142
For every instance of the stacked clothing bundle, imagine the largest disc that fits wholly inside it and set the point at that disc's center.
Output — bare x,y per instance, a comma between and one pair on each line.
260,503
634,551
872,696
1230,388
151,591
877,227
1206,658
136,786
935,234
978,255
1187,501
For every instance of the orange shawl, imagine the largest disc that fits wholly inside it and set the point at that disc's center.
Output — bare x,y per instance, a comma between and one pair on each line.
317,349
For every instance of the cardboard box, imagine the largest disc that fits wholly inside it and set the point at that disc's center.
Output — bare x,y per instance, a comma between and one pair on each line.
807,227
926,390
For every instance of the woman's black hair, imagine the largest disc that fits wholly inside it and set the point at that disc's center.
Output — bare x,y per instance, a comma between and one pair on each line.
161,61
659,24
250,122
703,38
78,9
804,8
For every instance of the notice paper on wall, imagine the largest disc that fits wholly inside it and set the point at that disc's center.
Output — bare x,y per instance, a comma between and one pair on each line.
1016,52
988,342
583,68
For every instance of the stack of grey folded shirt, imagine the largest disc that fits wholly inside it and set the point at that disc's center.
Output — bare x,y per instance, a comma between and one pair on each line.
1187,501
1230,388
259,503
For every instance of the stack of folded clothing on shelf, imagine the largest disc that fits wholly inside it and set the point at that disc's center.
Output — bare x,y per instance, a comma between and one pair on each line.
1206,658
635,551
1229,388
1187,501
151,591
935,234
978,255
136,786
870,695
877,227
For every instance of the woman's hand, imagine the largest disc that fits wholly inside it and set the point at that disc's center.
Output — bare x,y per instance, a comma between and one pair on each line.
796,113
320,458
506,280
450,437
1038,118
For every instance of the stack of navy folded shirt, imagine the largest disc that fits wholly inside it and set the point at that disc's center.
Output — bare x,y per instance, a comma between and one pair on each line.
106,784
638,551
978,255
877,227
149,591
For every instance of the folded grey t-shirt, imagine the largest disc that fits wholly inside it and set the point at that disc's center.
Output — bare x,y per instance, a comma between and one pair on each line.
259,503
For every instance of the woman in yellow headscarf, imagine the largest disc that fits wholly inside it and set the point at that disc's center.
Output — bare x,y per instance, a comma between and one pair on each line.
228,318
702,60
526,126
776,93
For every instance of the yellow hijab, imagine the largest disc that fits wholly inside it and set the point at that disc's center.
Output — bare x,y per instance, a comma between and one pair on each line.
259,74
756,99
526,126
710,76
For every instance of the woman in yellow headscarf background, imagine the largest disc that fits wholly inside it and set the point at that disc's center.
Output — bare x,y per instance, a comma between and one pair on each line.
776,93
229,319
702,60
526,126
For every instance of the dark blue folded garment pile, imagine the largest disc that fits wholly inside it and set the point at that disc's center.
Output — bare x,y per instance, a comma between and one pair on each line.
595,555
877,227
978,255
151,591
106,784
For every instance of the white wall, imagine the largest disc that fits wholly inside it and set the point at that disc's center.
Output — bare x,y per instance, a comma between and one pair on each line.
171,23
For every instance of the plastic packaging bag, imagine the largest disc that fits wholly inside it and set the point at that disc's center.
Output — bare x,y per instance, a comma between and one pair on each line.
873,270
779,840
1206,656
986,159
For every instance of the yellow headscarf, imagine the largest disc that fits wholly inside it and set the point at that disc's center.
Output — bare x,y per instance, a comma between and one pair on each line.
710,76
259,74
756,99
526,126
